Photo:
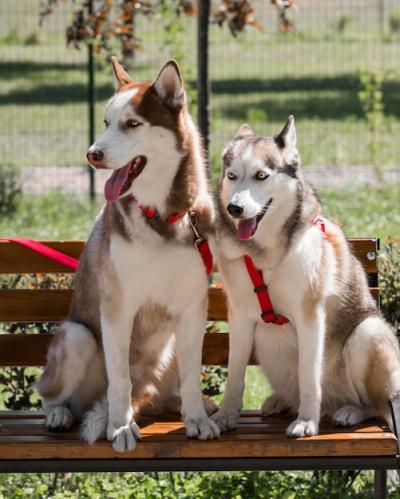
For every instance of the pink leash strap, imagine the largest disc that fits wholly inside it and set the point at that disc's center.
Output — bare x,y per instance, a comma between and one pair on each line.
43,249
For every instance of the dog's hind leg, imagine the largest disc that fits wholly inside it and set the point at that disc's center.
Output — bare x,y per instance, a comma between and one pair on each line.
373,365
350,415
71,352
274,404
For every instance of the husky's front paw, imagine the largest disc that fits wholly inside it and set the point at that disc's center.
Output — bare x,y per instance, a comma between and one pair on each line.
59,418
302,428
203,429
226,420
273,405
124,438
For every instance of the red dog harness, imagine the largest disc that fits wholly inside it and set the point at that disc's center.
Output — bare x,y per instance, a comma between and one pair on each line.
199,240
261,290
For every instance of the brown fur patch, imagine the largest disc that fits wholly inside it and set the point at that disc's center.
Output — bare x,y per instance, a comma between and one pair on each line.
352,302
152,383
85,303
114,220
120,74
296,220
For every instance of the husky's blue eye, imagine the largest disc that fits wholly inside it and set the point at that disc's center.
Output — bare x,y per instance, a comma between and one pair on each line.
231,176
132,123
261,175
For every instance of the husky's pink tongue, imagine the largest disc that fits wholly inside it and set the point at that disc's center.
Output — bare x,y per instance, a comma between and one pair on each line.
246,228
114,184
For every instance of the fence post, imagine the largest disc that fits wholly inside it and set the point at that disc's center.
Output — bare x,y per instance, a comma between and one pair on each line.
91,108
203,81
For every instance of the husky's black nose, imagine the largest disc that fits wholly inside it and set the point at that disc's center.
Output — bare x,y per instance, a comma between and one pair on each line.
95,157
235,210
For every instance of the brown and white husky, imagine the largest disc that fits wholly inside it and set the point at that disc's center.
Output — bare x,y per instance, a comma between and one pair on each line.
140,297
336,356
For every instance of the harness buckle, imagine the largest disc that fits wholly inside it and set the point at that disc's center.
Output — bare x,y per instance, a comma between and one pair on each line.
198,237
268,316
260,289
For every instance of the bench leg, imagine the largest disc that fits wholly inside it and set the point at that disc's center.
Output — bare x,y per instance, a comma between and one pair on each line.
380,485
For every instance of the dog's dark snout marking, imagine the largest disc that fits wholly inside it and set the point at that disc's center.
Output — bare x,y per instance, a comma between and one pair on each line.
235,210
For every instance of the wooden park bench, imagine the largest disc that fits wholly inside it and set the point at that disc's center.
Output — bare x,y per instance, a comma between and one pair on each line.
257,444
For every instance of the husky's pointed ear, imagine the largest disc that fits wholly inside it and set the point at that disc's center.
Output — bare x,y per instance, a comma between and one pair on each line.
244,131
121,77
169,85
287,138
287,142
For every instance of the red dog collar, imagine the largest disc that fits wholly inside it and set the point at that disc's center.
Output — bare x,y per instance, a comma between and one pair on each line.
199,240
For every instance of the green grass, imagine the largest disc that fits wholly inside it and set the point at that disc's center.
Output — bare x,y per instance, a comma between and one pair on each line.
51,216
260,485
364,211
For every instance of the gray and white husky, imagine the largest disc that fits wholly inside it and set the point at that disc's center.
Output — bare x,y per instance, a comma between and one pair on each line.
336,356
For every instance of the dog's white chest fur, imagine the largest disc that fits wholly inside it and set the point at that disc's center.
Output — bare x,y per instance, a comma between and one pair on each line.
156,271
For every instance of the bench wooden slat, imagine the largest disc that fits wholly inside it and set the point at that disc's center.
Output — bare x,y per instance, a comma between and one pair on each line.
42,305
34,305
165,438
162,427
24,350
16,259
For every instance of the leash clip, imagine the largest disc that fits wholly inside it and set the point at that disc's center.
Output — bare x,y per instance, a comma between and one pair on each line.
198,237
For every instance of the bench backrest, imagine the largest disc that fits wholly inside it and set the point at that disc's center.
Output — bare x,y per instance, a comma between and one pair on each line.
44,305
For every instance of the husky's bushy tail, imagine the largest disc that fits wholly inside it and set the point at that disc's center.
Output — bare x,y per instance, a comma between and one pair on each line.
94,424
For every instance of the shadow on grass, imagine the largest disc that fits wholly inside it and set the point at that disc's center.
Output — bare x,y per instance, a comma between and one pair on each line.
344,82
324,108
301,98
301,94
46,88
289,84
56,94
22,69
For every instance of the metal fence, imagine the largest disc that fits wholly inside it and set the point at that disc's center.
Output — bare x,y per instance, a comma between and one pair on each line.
313,72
